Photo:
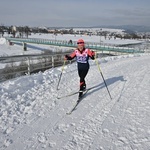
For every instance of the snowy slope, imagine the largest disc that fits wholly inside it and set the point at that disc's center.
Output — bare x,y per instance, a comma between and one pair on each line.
32,118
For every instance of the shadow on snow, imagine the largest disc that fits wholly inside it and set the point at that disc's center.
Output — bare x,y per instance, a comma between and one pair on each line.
102,85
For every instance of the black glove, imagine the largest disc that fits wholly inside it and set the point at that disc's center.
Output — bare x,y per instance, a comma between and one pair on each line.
67,57
92,55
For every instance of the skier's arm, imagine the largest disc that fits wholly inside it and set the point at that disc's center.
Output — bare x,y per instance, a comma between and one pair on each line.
71,56
91,54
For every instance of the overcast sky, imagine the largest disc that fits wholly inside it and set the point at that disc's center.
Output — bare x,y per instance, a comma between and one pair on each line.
75,13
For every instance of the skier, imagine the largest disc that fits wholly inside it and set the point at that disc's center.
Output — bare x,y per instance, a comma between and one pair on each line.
82,55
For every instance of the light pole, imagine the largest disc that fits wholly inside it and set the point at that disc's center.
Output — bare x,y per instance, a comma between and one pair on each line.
100,36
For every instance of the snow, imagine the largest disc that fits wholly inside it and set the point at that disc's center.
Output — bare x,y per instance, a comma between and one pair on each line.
15,49
100,29
31,116
87,38
9,50
2,40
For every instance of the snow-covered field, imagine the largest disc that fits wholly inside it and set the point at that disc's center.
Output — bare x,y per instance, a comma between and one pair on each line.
87,38
32,118
95,30
6,49
9,50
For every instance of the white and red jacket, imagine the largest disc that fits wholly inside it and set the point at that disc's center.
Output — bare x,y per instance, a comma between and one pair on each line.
82,58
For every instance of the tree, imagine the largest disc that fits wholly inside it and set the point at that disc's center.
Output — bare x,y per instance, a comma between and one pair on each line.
27,31
1,31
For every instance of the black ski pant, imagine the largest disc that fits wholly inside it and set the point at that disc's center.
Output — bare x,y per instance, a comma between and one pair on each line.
82,75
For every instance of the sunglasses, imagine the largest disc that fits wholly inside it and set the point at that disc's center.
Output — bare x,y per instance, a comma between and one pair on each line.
80,43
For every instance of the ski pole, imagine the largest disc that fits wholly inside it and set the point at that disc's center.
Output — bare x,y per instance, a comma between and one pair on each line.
61,74
98,65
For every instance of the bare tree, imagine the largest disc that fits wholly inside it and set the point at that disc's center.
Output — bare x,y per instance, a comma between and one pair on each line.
27,31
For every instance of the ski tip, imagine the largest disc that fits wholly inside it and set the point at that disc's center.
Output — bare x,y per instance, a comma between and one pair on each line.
58,97
68,113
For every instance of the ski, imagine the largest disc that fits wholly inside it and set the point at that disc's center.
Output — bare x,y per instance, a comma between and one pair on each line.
78,101
68,95
74,93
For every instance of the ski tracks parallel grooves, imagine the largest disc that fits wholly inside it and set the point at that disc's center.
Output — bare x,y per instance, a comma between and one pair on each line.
98,121
54,126
136,86
89,126
97,139
51,128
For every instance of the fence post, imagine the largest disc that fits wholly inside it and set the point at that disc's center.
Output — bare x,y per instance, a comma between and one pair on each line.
24,46
52,61
29,66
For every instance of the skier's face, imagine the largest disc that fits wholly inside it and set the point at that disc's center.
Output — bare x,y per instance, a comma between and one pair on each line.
80,46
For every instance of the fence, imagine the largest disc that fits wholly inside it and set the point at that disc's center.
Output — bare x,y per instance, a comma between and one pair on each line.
91,45
16,66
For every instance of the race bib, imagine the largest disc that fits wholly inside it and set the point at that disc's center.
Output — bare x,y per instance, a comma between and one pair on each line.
82,59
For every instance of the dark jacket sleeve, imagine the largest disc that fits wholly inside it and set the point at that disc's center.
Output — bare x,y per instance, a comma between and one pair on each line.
91,54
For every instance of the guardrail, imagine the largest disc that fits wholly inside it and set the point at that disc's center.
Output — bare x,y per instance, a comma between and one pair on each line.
27,64
94,46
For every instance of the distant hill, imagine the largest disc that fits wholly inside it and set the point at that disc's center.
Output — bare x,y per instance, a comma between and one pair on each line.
129,28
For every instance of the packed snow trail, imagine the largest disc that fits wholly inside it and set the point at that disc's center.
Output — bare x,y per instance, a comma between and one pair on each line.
32,118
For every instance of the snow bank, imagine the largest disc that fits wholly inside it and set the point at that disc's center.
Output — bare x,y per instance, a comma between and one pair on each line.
2,41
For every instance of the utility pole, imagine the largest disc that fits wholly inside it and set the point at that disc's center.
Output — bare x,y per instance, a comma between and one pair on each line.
100,35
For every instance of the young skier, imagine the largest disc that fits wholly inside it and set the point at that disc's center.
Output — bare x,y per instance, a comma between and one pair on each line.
82,55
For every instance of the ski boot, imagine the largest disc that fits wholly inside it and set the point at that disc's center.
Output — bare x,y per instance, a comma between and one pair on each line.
80,94
82,89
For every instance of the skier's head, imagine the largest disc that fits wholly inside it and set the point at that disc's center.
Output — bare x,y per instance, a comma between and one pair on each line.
81,45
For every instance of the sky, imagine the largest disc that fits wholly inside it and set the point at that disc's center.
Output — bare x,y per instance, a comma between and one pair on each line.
74,13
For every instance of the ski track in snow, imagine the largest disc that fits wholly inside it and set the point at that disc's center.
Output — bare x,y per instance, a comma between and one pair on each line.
96,120
34,119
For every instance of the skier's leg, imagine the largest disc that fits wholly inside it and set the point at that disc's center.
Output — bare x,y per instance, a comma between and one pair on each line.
82,75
